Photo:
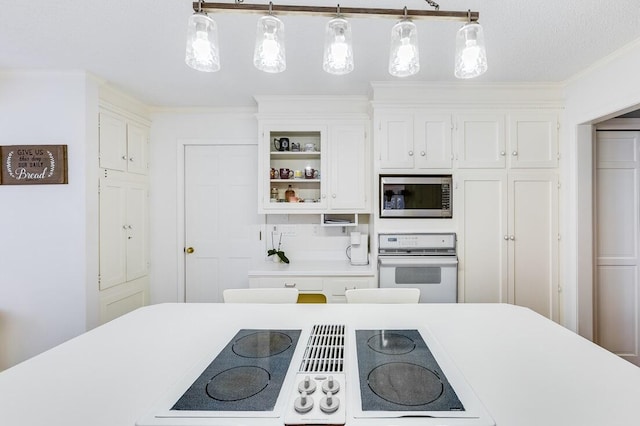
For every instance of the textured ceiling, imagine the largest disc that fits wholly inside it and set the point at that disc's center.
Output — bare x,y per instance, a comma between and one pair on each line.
138,46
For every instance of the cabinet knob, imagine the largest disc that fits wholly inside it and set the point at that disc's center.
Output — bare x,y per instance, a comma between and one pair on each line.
130,158
129,227
423,153
333,195
324,195
514,153
189,250
502,153
506,238
124,157
410,153
124,226
512,237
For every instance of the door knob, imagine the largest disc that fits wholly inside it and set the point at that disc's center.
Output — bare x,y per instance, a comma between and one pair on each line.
189,250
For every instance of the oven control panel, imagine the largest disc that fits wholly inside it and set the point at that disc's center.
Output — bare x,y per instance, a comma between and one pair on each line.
317,398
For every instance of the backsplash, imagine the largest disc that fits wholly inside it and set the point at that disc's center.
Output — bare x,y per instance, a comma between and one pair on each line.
305,239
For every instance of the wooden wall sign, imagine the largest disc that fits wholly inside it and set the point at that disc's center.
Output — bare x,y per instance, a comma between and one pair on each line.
33,164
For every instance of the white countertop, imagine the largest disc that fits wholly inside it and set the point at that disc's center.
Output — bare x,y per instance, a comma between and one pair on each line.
525,369
311,268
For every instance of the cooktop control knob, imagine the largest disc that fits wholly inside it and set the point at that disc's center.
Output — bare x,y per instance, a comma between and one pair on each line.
330,385
303,403
328,408
329,403
307,385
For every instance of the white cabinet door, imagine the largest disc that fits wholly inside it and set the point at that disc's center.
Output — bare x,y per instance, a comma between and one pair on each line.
508,248
123,232
480,141
123,144
395,141
113,249
137,148
533,140
533,241
348,167
113,142
136,222
482,247
432,143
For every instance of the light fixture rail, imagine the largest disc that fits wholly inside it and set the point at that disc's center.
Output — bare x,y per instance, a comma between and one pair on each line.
442,15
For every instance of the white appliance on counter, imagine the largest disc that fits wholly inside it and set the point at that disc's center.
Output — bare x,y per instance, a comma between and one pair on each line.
426,261
358,251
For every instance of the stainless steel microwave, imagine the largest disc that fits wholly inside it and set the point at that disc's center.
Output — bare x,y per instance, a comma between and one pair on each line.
415,196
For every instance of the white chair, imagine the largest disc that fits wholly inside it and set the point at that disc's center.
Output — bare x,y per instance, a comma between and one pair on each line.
260,295
383,295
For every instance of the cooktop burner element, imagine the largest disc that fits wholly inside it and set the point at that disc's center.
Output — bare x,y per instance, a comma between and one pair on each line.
262,344
405,384
398,372
391,343
246,376
238,383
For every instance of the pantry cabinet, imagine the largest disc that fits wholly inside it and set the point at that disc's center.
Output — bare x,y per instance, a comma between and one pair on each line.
480,140
314,167
508,238
123,143
123,278
414,141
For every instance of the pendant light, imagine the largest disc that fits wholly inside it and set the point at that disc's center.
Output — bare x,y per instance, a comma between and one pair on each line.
471,55
404,59
202,51
269,53
338,49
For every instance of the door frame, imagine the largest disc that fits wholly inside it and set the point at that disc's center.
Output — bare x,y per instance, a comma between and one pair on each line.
180,202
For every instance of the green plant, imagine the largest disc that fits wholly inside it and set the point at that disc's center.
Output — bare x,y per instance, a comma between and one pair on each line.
277,251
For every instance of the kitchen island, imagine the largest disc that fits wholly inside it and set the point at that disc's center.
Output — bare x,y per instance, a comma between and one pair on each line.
525,369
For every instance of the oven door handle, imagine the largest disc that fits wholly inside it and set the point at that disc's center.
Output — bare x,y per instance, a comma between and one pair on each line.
417,261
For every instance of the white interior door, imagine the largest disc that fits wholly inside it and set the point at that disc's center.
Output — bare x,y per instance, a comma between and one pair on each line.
617,217
222,227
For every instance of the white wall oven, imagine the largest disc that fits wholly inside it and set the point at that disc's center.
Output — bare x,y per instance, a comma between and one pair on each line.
424,261
415,196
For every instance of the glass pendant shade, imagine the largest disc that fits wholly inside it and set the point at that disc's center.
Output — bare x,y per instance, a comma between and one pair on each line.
471,55
269,53
202,44
404,59
338,50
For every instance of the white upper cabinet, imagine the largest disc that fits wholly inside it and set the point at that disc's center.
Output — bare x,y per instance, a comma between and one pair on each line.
519,140
348,167
432,141
123,144
480,140
324,163
395,141
417,140
533,140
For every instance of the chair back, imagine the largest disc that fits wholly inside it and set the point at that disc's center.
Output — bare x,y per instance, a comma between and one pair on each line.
383,295
260,295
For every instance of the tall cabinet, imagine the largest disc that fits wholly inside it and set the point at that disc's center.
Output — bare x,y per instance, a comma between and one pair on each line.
508,200
123,213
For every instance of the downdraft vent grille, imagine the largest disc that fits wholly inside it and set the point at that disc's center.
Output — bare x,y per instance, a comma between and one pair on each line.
325,350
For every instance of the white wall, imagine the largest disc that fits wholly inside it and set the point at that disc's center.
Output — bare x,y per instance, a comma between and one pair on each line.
48,237
167,129
608,88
